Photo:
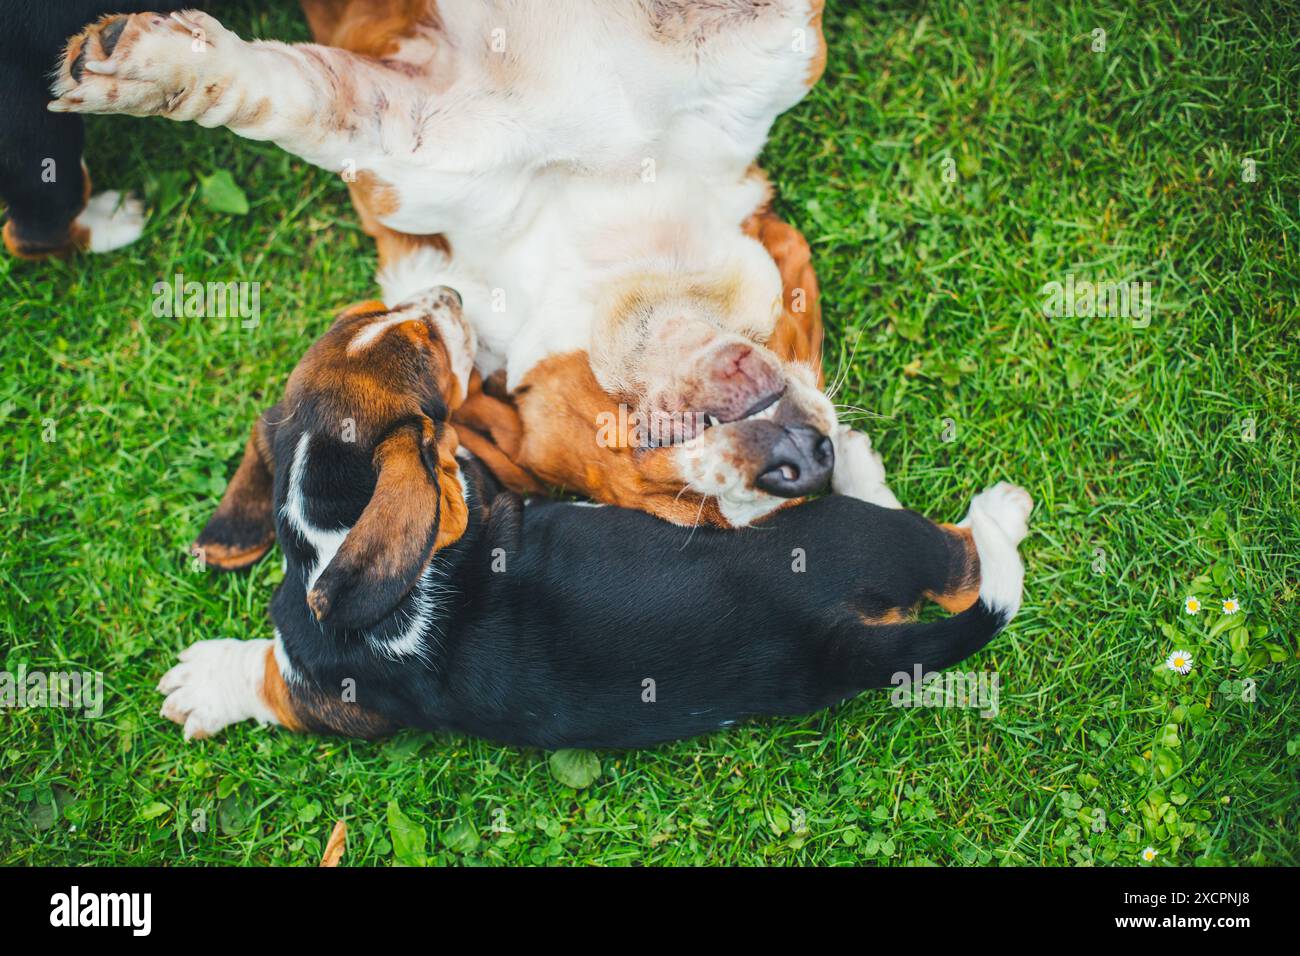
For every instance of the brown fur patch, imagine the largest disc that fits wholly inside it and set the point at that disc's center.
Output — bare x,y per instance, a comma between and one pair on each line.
76,240
561,405
963,587
798,334
490,428
496,418
454,513
370,27
303,707
378,197
818,65
502,468
895,615
393,246
368,307
226,558
275,693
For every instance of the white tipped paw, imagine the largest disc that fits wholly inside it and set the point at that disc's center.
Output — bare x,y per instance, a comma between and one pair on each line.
112,220
859,471
141,64
217,683
1007,506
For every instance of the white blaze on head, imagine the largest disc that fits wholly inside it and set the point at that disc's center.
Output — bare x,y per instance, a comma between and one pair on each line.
371,333
456,334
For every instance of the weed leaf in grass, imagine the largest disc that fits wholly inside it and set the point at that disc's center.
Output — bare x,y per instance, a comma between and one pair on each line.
166,190
154,810
227,785
221,194
235,812
575,768
461,837
409,838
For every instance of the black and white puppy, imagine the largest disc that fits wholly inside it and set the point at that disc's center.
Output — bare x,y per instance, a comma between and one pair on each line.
42,180
418,594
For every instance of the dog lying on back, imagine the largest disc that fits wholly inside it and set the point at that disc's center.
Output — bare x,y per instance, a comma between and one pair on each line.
418,594
580,171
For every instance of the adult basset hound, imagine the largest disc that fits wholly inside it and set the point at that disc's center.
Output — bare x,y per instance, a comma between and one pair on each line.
582,172
417,593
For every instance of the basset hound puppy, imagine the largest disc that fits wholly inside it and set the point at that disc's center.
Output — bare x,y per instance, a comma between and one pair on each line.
418,593
583,173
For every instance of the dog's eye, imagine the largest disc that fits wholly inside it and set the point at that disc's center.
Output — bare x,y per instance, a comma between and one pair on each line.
677,429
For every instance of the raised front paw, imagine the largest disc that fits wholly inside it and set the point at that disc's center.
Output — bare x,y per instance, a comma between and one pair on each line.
144,64
217,683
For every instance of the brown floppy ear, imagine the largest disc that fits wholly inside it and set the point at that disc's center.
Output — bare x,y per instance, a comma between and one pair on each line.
417,507
242,529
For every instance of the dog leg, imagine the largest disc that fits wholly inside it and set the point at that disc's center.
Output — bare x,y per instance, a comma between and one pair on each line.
222,682
218,683
45,185
338,110
859,472
243,528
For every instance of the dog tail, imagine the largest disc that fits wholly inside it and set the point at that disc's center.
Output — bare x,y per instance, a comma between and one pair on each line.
998,521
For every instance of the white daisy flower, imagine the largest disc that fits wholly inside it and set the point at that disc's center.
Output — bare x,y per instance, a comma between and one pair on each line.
1192,606
1230,606
1149,854
1179,661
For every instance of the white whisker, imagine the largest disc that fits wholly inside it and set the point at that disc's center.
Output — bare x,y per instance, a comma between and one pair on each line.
699,514
844,373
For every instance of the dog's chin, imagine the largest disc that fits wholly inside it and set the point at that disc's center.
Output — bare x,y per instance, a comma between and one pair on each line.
743,508
711,466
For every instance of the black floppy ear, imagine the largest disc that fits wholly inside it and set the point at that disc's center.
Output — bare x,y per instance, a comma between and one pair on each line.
242,529
387,549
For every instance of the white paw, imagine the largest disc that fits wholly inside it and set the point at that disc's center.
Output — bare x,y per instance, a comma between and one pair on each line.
113,220
217,683
859,471
1007,506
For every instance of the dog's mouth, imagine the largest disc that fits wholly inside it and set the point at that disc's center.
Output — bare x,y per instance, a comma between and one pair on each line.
673,429
764,408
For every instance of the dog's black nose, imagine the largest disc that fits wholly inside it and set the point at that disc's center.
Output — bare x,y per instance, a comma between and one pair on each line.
799,463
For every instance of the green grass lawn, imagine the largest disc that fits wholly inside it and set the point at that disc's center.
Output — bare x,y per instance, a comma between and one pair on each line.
955,160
